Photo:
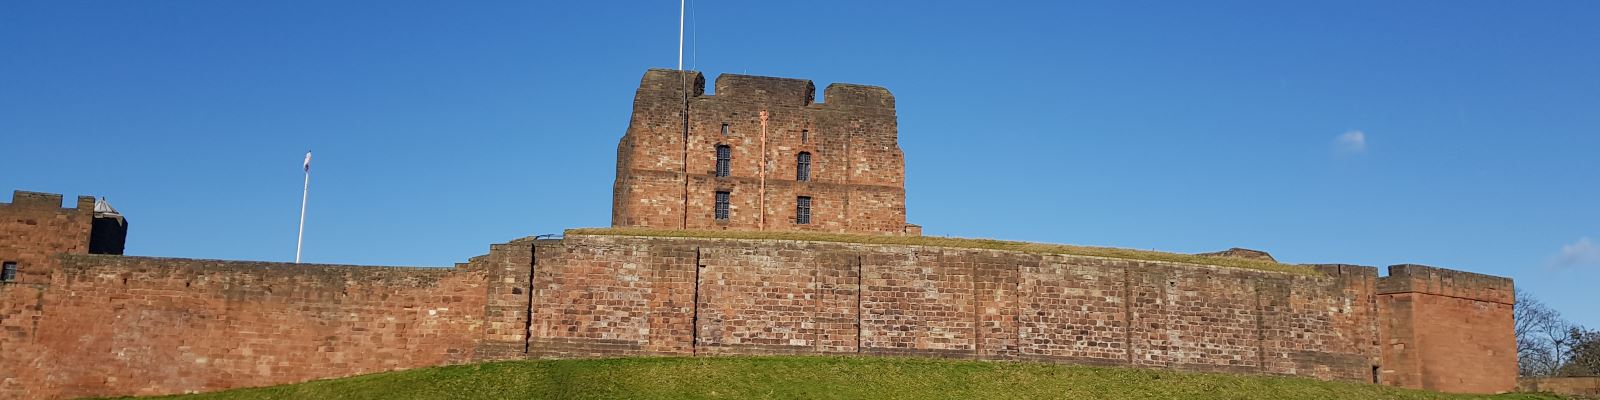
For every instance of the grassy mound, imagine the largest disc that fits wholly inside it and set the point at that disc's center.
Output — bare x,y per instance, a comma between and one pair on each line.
938,241
815,378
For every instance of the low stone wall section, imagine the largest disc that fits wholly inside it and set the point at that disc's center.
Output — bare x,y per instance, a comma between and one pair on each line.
617,295
114,325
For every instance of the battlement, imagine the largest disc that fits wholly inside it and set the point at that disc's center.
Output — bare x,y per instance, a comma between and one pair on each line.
658,82
764,89
853,95
1345,270
46,201
1413,278
773,91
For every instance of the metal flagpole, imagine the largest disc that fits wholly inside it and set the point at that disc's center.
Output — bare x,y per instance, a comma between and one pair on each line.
680,33
305,192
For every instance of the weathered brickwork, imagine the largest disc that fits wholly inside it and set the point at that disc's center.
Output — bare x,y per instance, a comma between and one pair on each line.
667,161
753,302
136,325
612,298
787,297
1322,344
111,325
1438,320
508,271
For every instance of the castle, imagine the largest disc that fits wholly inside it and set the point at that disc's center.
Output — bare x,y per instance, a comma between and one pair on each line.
760,154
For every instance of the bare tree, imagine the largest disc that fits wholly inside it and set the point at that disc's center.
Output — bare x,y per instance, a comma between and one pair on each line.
1583,355
1543,337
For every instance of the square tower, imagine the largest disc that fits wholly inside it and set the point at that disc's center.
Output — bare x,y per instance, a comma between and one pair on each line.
760,155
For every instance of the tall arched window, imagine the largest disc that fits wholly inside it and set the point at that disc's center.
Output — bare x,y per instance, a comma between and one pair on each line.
724,158
802,166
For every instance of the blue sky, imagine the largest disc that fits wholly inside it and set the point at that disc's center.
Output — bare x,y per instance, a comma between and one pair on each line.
1459,134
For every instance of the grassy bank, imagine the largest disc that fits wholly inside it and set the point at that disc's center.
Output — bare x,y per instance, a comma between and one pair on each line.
988,244
815,378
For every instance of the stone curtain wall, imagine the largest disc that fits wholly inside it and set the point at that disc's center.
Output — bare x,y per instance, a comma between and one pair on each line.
607,295
857,175
112,325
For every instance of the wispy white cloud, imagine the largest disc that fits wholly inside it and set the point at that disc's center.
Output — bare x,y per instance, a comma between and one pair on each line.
1353,141
1582,253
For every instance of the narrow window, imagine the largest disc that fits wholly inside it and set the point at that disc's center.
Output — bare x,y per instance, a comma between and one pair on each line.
724,129
802,210
1375,374
722,206
8,272
724,157
802,167
805,135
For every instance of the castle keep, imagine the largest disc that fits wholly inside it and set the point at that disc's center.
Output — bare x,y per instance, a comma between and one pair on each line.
760,154
79,319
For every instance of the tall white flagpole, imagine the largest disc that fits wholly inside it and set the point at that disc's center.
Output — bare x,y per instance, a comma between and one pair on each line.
304,192
680,33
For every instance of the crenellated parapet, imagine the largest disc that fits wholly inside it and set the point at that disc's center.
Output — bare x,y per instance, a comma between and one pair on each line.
766,90
1422,279
22,199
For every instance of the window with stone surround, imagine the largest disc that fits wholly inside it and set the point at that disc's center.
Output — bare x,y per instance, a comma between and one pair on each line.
802,166
802,210
724,129
722,205
724,158
805,135
8,271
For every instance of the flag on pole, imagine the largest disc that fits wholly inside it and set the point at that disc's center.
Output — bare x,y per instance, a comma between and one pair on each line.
308,160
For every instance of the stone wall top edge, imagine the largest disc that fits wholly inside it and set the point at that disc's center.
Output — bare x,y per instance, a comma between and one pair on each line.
91,260
1345,269
1136,262
1419,270
1415,278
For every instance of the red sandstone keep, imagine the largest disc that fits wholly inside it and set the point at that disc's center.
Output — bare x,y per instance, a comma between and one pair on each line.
667,162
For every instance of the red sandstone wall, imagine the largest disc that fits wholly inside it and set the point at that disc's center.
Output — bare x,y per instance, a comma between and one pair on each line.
857,173
509,270
607,295
34,228
1447,330
111,325
117,325
611,299
1586,387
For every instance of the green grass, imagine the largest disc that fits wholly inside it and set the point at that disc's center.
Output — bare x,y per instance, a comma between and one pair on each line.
815,378
938,241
